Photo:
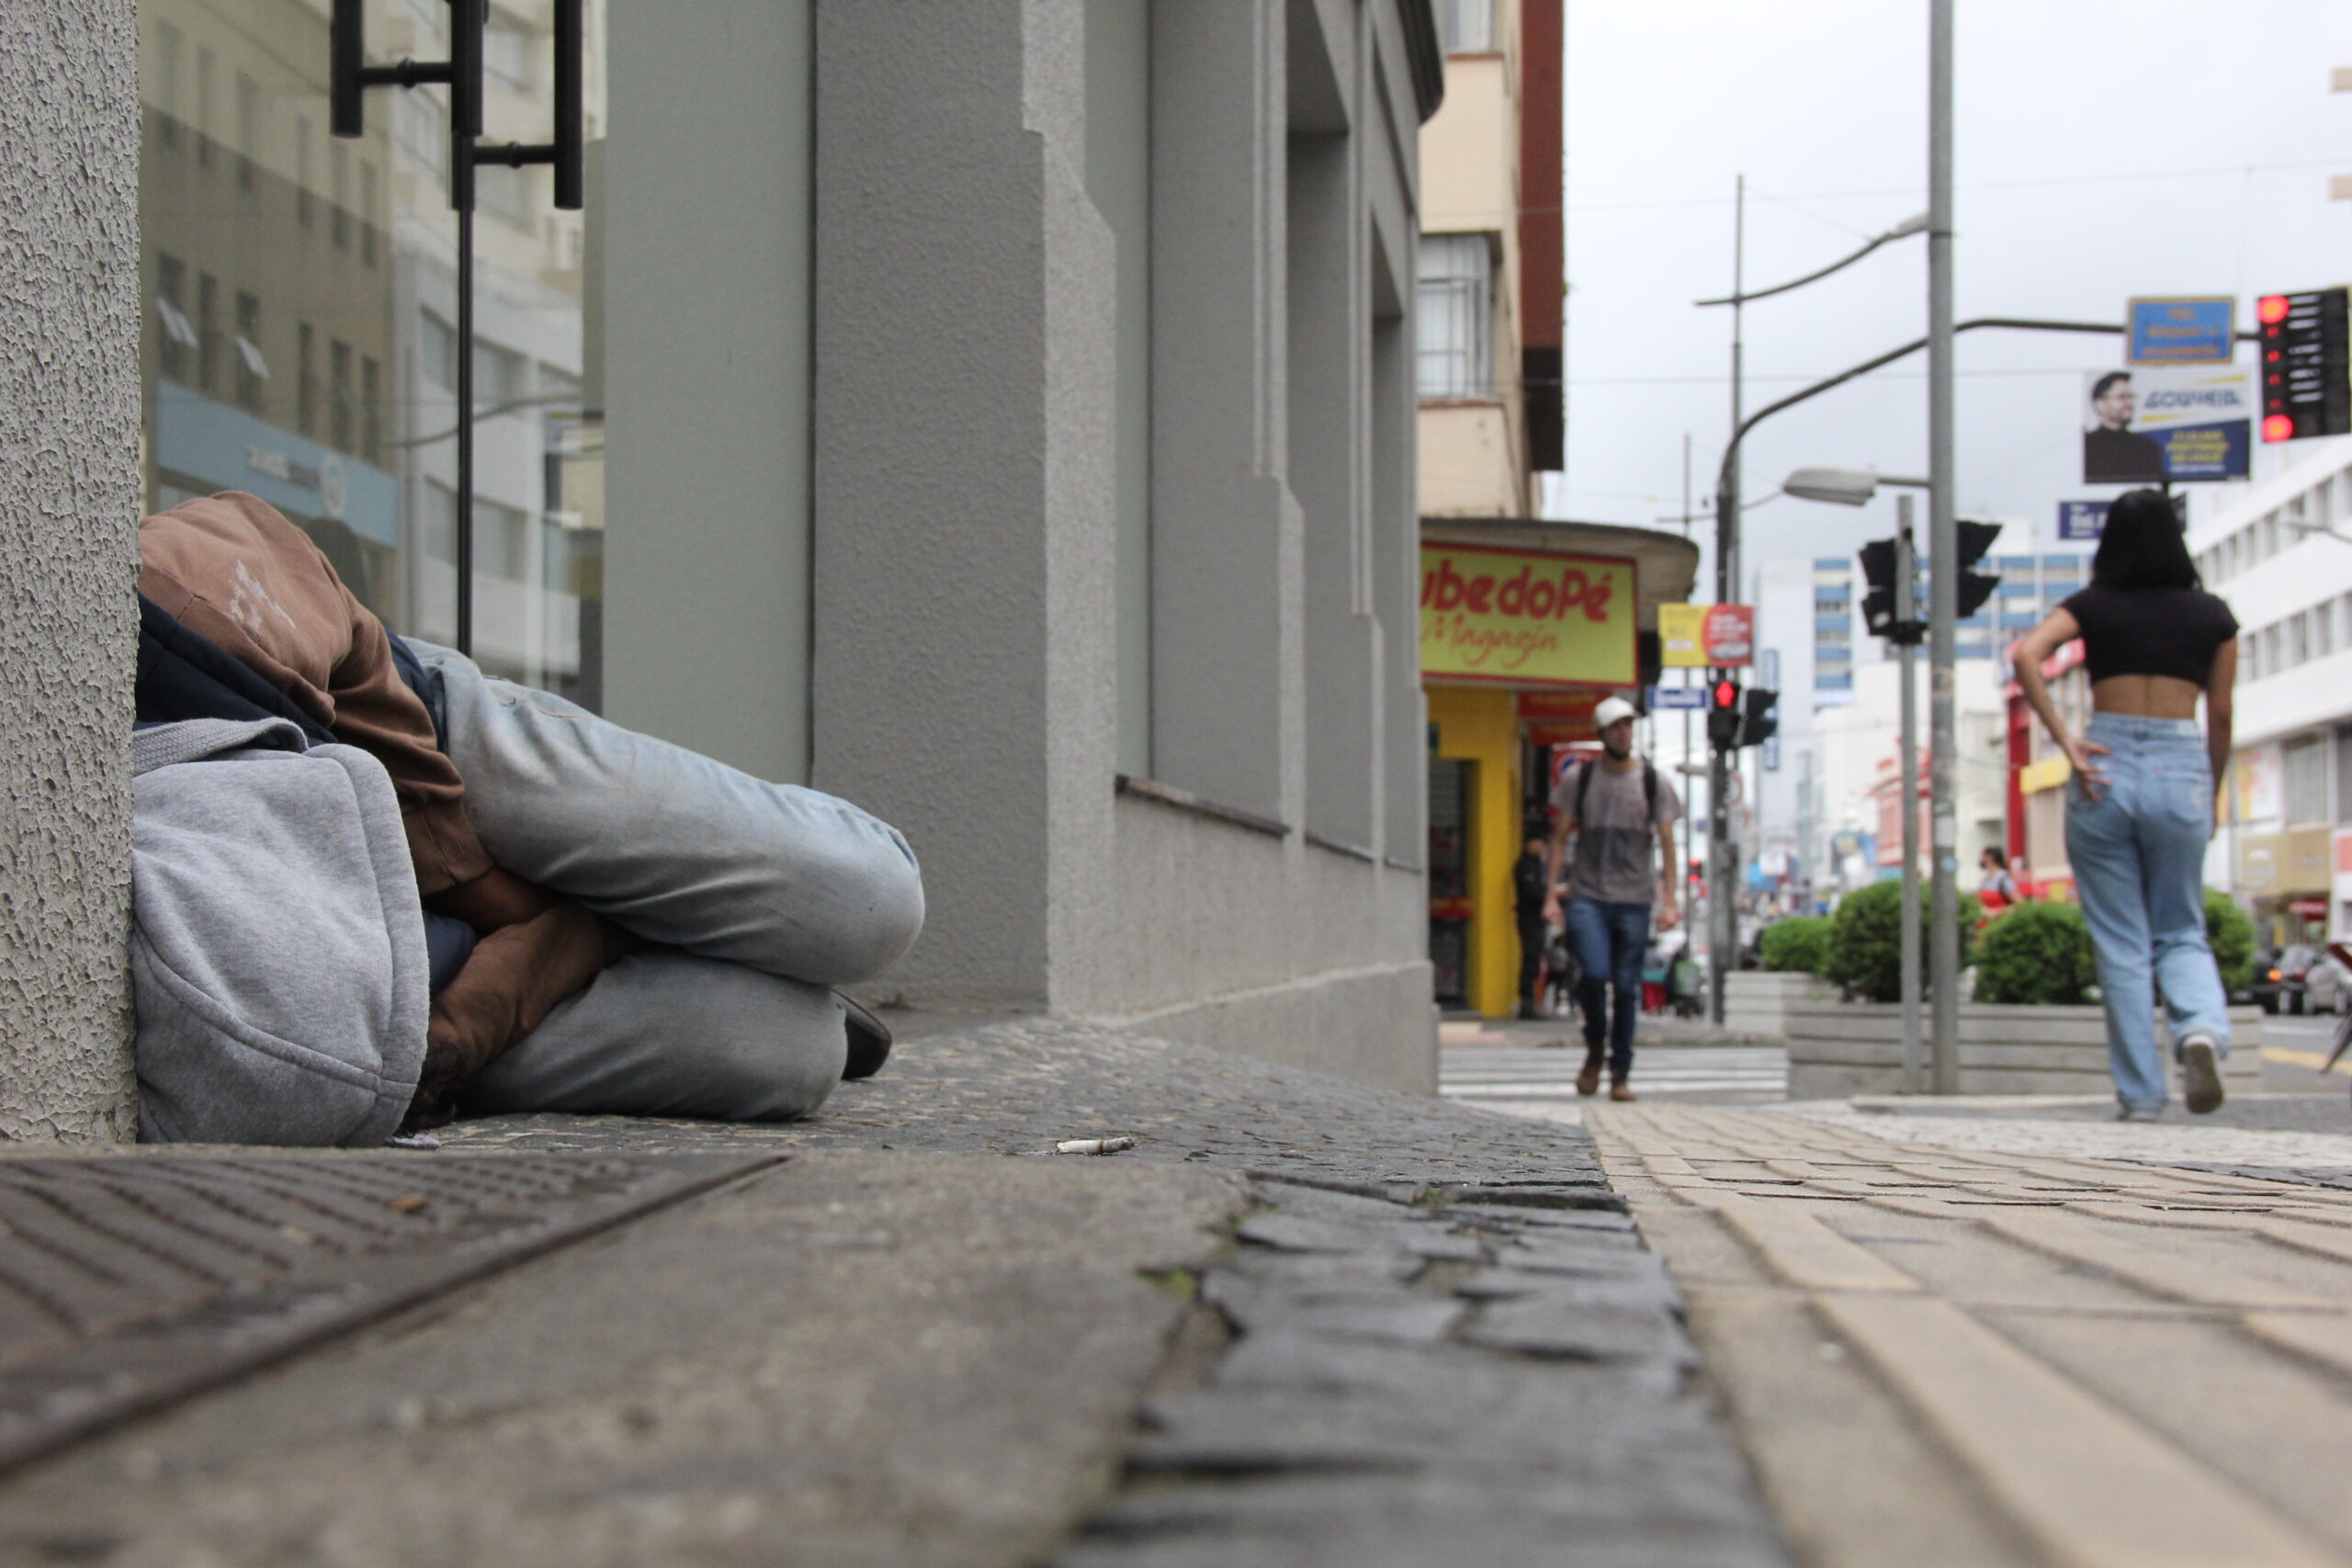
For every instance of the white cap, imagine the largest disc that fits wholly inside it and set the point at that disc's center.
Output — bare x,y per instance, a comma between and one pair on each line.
1610,710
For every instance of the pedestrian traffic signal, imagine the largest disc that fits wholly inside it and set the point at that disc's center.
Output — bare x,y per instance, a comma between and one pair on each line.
2306,365
1724,718
1758,715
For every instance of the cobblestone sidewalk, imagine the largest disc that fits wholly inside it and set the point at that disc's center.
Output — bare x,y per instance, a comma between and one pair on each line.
2131,1365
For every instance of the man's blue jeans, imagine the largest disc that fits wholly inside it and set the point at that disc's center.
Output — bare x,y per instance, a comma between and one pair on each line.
1610,940
762,897
2138,856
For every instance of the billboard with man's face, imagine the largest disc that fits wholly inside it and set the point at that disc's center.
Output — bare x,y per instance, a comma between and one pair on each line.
2176,423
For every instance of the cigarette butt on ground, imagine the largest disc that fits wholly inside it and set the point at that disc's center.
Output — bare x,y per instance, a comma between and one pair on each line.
1093,1146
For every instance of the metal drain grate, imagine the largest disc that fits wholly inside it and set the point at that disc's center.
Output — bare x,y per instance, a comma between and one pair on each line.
129,1281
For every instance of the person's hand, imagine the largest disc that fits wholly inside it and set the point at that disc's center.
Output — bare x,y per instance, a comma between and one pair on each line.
495,899
1551,909
2079,753
1668,917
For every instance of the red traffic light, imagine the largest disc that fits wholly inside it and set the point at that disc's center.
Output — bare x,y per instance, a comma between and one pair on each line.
2278,427
1726,694
2271,309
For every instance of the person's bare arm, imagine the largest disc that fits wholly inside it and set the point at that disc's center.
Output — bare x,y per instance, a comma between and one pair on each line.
2054,633
2221,697
1669,912
1554,858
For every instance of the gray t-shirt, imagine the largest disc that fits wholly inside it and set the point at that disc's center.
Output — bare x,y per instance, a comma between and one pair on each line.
1616,837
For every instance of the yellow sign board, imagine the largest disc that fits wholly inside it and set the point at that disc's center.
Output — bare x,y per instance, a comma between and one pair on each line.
1681,636
1528,617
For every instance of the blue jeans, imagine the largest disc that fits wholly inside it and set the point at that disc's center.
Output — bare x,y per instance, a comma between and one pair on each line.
2138,856
1611,941
762,896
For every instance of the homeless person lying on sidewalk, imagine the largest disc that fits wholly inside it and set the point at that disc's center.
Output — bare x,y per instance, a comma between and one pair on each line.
603,921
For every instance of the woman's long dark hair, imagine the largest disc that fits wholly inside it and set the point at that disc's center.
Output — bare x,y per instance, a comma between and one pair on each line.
2144,544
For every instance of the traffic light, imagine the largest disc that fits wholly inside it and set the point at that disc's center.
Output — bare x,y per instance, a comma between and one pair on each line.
1878,605
2306,365
1724,717
1758,719
1976,587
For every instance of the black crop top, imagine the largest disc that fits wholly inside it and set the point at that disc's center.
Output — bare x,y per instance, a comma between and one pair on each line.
2150,631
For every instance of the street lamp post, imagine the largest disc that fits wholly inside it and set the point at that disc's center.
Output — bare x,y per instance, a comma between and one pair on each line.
1943,548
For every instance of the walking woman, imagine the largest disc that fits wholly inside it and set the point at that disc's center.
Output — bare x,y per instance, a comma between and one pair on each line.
2140,806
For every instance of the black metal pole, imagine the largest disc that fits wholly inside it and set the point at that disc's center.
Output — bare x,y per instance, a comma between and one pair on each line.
466,428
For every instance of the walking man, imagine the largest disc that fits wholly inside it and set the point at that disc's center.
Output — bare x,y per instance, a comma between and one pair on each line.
1614,807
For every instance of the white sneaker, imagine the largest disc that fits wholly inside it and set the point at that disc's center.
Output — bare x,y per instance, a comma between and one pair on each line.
2200,1075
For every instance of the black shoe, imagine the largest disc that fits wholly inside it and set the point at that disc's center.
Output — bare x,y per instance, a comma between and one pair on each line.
869,1041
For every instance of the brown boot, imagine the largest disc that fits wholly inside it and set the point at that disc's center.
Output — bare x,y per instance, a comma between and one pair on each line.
1621,1092
1588,1080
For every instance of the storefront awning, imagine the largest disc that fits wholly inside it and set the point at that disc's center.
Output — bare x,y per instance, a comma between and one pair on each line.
1668,563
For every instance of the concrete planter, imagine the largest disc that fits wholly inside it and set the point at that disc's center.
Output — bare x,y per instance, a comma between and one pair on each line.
1839,1049
1757,1002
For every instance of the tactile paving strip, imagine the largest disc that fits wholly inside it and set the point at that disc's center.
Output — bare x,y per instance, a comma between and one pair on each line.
126,1282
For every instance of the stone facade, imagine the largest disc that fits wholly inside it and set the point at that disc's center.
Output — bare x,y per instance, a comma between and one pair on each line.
69,488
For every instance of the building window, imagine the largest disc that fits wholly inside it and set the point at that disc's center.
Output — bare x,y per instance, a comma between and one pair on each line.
503,541
2306,781
207,333
339,397
175,332
204,108
2344,775
437,352
302,170
371,434
1456,309
252,370
248,130
368,215
2323,629
2298,642
306,392
1466,27
498,377
167,84
339,193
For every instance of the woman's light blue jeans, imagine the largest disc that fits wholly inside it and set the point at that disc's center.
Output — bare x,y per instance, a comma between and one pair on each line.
2138,856
763,896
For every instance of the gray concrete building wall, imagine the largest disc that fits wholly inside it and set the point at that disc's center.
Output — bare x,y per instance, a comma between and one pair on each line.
69,497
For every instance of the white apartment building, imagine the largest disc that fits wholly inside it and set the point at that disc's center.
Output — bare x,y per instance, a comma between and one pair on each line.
2285,846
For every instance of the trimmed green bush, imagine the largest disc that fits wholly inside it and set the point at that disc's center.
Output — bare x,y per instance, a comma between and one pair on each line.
1866,941
2230,935
2036,953
1796,944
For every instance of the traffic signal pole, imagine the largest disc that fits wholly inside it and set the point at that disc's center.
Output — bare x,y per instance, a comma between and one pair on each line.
1723,917
1943,528
1906,579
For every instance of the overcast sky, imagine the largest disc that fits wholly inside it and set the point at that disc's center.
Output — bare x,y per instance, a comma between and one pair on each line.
2106,148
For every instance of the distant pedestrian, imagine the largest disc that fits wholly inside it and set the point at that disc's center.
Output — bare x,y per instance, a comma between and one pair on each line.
2140,805
1615,805
1530,889
1996,888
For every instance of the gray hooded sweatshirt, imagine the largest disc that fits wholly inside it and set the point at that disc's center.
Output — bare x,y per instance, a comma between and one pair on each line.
277,953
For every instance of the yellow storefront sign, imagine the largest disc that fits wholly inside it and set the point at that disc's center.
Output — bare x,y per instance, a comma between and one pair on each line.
1528,617
1681,636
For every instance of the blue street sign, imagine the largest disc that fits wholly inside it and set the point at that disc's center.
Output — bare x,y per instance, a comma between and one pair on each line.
1668,699
2196,331
2081,519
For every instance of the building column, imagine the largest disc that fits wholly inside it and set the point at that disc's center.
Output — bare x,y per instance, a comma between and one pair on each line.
965,657
70,315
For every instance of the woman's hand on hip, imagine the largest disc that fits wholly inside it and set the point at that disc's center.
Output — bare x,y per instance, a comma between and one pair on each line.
2080,753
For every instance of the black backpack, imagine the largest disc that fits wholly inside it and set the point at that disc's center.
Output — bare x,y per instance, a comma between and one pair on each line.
1649,789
